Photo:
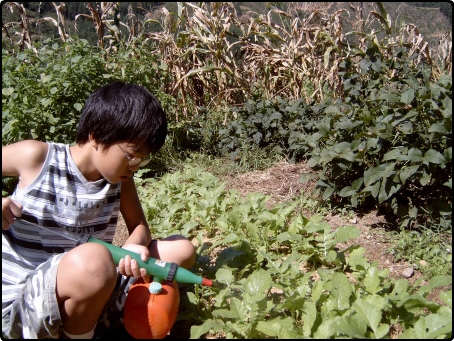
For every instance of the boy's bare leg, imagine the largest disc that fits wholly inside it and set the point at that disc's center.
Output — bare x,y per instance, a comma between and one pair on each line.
175,249
86,278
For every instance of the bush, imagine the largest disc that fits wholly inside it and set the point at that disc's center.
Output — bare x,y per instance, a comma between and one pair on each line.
43,92
389,138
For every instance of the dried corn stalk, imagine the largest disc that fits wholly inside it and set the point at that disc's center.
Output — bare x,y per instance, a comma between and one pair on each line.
60,22
24,24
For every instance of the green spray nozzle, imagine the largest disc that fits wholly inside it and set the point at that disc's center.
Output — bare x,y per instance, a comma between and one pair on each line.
159,269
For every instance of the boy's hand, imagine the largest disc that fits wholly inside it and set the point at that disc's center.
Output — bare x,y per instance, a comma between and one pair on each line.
10,210
129,267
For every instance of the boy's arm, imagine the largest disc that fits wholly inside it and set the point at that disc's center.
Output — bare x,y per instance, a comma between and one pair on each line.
24,159
139,232
131,210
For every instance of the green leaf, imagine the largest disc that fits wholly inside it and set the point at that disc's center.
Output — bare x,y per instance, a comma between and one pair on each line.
21,56
325,157
372,281
258,283
414,155
376,66
340,291
364,65
405,127
325,330
238,307
328,192
9,126
309,316
438,128
406,172
432,156
307,177
413,303
229,314
205,327
347,191
276,327
356,184
388,186
388,96
352,326
356,260
425,178
372,316
439,281
393,154
374,189
373,174
7,91
345,233
408,96
45,78
446,297
225,276
46,101
332,109
433,326
75,59
347,154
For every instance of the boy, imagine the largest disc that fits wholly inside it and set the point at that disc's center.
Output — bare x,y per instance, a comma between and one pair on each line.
50,288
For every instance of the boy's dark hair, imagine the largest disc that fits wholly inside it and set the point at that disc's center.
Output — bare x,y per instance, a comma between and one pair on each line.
123,112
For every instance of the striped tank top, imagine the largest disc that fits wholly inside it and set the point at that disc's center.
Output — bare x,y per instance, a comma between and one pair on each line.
60,197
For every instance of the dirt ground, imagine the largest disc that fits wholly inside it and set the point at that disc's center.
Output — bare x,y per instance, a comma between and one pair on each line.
281,182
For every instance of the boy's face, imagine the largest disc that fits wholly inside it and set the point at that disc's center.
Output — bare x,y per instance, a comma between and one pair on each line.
119,161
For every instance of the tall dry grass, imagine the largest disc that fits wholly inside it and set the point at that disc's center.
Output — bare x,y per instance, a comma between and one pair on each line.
219,58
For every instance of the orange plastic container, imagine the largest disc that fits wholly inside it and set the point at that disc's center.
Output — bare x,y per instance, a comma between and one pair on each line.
148,315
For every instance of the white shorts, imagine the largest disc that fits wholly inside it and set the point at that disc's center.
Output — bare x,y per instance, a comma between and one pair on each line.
35,313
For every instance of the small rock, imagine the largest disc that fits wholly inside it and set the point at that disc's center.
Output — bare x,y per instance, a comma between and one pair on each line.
353,221
423,263
408,272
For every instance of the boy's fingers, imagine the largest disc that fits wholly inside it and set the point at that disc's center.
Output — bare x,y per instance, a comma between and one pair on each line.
145,276
121,265
10,210
145,254
16,208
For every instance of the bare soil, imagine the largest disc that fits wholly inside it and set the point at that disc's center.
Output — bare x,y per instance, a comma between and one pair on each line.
281,183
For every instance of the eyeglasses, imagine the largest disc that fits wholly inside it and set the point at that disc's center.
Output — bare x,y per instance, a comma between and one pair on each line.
135,160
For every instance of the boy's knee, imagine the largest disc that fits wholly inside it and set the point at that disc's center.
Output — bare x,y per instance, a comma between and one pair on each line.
91,264
188,254
176,249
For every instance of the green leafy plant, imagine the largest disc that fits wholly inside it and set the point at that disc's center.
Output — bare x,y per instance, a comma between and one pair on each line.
269,125
41,99
389,139
280,274
428,250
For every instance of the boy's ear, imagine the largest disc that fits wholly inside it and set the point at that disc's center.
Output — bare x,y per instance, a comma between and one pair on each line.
93,141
